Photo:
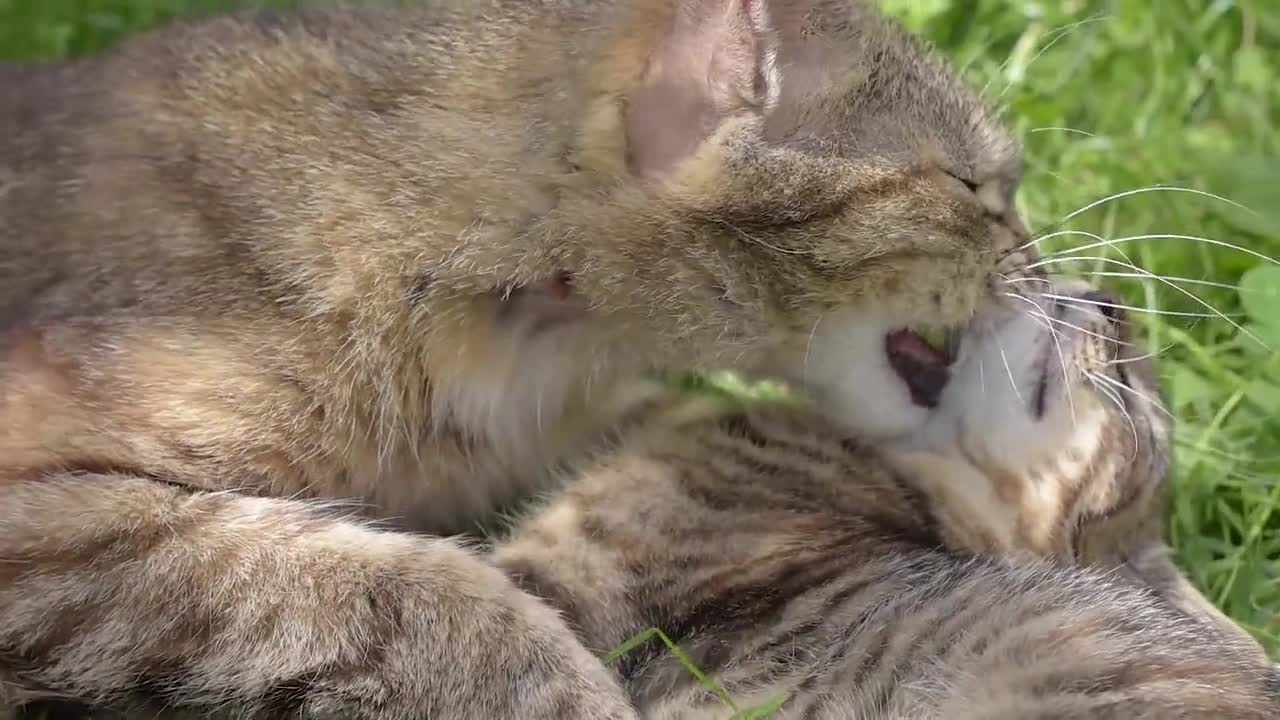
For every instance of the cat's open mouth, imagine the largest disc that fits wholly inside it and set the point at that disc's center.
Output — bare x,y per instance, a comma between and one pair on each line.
922,358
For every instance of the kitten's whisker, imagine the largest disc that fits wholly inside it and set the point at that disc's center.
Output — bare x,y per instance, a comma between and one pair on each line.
1137,358
1115,398
1125,388
1216,312
1091,333
1062,360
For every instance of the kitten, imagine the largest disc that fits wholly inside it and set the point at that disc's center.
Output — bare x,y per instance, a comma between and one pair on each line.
408,258
965,569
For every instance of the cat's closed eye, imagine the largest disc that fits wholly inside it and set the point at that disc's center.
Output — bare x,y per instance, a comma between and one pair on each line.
964,179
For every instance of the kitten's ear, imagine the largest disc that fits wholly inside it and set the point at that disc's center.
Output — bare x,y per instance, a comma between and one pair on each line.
715,62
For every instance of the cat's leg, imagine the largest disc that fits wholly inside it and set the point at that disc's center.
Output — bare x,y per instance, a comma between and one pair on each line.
120,591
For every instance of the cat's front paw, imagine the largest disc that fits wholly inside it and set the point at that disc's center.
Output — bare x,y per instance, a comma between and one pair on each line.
470,645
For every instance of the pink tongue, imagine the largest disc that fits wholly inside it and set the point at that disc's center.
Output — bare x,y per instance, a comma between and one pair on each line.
907,344
922,368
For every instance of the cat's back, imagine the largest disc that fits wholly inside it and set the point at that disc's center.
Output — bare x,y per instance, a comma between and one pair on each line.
196,223
175,157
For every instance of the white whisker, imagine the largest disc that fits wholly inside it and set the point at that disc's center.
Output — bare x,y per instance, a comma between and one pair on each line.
1013,280
755,240
1135,308
1125,388
1062,360
1062,129
1005,359
1077,328
1179,288
1159,236
1174,278
1115,398
1138,358
1038,238
808,346
1057,36
1099,242
1149,189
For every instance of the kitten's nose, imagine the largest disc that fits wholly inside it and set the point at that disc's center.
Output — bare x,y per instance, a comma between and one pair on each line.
1107,303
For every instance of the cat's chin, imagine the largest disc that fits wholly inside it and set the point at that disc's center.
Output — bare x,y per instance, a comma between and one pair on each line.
845,366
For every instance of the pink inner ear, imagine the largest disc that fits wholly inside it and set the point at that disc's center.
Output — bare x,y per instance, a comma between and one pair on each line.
709,67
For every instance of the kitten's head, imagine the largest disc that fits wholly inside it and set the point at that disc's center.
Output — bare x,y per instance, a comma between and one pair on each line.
1052,438
1055,408
754,176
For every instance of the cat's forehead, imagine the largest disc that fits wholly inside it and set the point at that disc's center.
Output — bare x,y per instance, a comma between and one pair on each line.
858,86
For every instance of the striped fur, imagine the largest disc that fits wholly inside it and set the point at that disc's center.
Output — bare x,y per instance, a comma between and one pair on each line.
785,557
260,270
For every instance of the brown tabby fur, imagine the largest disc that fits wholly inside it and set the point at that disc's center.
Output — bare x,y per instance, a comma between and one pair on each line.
787,558
410,258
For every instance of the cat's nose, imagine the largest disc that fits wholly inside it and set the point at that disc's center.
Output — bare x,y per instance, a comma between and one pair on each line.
1107,303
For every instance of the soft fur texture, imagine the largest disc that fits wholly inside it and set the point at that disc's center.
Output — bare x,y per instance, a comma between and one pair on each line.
410,258
980,565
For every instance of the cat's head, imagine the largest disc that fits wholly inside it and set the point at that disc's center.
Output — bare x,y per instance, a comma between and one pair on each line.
757,178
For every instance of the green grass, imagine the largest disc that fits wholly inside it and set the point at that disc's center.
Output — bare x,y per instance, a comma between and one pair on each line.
1109,97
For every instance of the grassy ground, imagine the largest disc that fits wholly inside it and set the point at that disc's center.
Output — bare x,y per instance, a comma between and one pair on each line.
1109,97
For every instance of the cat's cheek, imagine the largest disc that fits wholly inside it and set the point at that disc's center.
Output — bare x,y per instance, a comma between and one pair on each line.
844,367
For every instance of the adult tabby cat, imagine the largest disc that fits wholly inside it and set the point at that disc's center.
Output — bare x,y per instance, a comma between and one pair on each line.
786,558
408,257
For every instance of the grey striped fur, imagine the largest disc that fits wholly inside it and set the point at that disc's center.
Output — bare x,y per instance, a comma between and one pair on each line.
785,557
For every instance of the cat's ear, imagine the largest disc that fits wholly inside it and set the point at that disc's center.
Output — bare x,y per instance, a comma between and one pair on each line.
715,62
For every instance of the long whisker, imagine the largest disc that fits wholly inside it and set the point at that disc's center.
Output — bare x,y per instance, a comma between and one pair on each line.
1100,242
1162,236
1103,273
1062,129
1058,35
1055,336
1077,328
1115,398
757,241
1014,280
1179,288
1005,359
808,346
1135,308
1138,358
1091,333
1175,278
1150,189
1040,236
1125,388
